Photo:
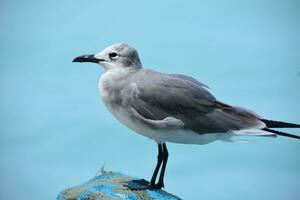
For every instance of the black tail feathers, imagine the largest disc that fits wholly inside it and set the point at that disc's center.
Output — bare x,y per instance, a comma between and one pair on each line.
277,124
281,133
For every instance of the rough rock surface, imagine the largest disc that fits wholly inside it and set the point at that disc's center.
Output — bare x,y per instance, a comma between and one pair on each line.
111,186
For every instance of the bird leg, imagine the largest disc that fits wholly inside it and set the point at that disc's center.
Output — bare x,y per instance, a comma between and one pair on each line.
165,156
159,162
162,158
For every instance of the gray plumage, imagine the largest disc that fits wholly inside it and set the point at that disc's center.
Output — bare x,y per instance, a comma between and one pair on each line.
170,107
157,104
160,95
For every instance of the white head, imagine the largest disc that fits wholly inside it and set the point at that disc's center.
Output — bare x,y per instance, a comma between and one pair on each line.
115,56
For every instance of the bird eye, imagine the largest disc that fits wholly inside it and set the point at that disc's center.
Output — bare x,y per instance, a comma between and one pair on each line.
113,55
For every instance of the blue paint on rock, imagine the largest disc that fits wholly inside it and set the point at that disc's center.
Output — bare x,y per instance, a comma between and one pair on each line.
111,185
84,195
160,194
61,196
132,197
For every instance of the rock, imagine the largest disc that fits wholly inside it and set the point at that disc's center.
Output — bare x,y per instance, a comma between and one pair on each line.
111,186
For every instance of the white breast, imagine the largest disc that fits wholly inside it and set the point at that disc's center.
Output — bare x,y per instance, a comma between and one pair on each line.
107,86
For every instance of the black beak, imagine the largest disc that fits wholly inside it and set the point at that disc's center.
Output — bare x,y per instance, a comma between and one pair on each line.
87,58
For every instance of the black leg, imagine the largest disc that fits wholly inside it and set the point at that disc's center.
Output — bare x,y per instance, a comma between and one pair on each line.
159,161
143,184
162,159
160,183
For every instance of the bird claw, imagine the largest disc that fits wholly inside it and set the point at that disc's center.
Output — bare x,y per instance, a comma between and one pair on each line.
139,187
142,184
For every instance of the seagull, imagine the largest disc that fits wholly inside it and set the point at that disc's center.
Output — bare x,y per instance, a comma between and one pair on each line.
170,107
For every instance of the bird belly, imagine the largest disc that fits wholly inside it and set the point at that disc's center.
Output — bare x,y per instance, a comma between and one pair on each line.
125,115
182,136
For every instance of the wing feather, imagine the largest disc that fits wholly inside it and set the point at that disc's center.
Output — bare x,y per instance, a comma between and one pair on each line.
157,96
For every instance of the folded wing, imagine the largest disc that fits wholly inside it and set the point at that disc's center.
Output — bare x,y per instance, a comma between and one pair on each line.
157,96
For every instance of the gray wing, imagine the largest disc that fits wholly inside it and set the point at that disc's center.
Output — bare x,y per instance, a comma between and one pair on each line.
159,95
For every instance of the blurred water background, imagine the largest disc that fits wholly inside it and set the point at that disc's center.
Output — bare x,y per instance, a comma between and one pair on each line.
56,133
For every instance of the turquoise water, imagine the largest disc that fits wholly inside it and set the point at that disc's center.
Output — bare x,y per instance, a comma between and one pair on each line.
55,132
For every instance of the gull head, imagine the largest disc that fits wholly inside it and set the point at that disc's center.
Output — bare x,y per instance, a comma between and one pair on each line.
115,56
